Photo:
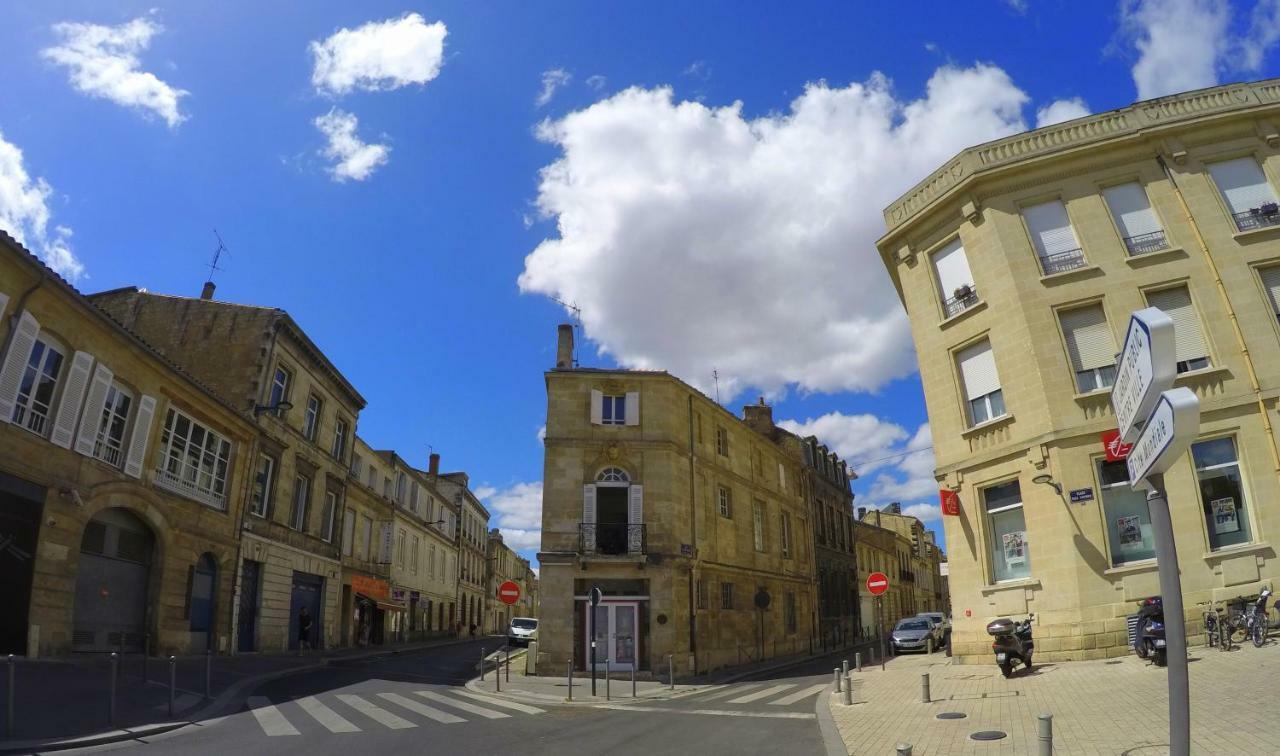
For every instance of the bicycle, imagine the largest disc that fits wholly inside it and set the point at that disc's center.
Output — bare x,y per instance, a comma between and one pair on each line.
1212,623
1249,616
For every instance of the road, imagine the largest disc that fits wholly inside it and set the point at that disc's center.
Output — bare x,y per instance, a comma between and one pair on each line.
417,701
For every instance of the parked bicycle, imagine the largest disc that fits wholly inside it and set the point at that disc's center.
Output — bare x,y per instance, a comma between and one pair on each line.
1247,617
1212,623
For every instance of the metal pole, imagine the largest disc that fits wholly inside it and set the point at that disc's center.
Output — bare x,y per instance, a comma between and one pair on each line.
208,672
509,665
8,722
111,707
924,687
1044,733
146,646
1174,621
607,695
591,610
857,661
497,675
569,668
844,668
671,671
836,674
173,680
633,678
880,628
904,749
848,691
482,664
928,646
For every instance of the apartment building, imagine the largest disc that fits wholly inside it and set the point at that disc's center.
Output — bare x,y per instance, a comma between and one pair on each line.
504,564
878,549
471,541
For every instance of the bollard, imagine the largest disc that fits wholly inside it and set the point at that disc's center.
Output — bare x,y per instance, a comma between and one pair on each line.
1044,733
836,674
497,674
607,694
482,664
857,661
904,749
671,671
208,672
8,722
848,691
111,705
569,668
173,680
146,647
633,678
508,672
924,687
844,668
928,646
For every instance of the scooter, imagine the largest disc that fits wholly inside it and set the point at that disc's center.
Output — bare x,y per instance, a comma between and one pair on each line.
1148,636
1013,643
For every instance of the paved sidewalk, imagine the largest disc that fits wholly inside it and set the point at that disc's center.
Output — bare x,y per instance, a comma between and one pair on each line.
1117,706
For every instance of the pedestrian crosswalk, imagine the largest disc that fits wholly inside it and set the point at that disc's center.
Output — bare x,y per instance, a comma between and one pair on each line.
350,713
767,693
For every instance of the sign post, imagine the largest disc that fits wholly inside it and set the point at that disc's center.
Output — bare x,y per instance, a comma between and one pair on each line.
595,594
509,592
878,583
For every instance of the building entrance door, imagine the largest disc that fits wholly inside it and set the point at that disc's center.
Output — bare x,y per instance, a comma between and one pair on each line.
112,581
203,580
308,591
247,626
615,631
20,513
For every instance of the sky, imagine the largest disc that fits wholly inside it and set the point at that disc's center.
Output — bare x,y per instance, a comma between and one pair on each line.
424,186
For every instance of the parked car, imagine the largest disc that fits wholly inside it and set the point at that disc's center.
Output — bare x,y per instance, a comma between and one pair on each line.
911,634
940,624
522,630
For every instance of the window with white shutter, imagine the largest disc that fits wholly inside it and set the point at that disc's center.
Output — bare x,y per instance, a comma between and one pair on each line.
633,408
38,385
108,446
1136,220
1248,194
15,364
64,423
95,402
597,407
981,382
1189,345
141,433
1053,237
1090,347
1271,282
954,279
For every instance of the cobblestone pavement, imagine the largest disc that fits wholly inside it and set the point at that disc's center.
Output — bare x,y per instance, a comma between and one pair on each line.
1117,706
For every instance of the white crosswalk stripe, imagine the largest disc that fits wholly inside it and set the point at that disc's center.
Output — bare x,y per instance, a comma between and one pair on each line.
374,712
759,694
332,720
463,705
430,712
522,708
269,717
728,691
799,695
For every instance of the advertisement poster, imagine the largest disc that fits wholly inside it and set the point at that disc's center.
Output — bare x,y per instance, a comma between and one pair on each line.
1224,516
1130,530
1015,550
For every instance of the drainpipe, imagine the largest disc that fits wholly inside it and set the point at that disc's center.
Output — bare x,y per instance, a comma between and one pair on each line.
18,307
1231,313
693,541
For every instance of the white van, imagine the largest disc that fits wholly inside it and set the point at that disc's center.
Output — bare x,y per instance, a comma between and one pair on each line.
522,630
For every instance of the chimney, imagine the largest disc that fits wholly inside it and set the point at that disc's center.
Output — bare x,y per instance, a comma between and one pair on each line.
759,417
862,513
434,465
564,346
894,507
207,292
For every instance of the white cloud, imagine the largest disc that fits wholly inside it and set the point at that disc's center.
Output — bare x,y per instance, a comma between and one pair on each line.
923,512
770,222
551,81
352,158
542,434
1264,32
379,55
516,511
860,440
698,70
1017,6
1181,43
597,82
25,215
103,62
1059,111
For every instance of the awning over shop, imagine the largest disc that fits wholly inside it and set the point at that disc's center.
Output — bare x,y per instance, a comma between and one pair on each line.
389,607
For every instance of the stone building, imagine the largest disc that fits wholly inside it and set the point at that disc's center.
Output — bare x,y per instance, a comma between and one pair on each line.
366,568
306,412
917,560
122,481
527,606
680,513
471,541
878,549
1019,262
504,564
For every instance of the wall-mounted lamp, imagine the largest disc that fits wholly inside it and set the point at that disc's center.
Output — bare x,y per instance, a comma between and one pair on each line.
278,407
1047,480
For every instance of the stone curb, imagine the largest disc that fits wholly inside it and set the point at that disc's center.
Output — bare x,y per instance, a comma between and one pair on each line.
831,738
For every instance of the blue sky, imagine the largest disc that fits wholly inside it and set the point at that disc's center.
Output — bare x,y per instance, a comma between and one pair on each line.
414,181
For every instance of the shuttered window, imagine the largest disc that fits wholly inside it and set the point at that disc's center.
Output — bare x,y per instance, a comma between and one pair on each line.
981,382
1271,282
1190,349
954,277
1242,183
1090,346
1052,236
1137,222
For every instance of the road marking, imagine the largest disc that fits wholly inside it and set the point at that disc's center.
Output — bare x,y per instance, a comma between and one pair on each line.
468,707
712,712
728,691
332,720
269,717
759,694
430,712
799,695
504,704
377,713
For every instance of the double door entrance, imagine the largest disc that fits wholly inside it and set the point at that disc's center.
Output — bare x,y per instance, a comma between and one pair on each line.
616,634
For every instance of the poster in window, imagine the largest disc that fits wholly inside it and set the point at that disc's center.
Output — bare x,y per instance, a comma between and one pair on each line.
1130,530
1015,548
1225,517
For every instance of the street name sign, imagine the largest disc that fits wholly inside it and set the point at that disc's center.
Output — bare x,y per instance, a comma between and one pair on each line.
1169,430
877,583
509,592
1145,368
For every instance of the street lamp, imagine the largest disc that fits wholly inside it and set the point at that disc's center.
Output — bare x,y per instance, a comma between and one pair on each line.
278,407
1047,480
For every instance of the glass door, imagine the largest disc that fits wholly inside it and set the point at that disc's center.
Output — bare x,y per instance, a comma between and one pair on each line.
623,654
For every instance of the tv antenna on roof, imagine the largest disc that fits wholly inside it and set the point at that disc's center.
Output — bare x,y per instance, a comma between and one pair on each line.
217,254
715,376
576,311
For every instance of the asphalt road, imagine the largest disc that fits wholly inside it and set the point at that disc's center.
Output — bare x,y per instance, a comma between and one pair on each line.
416,702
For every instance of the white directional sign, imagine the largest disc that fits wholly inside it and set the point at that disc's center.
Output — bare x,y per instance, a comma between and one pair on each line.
1172,427
1145,367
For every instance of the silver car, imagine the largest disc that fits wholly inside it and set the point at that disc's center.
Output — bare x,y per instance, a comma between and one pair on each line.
912,634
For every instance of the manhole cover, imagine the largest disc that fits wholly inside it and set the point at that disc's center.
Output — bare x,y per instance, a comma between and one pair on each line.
1114,661
952,715
987,735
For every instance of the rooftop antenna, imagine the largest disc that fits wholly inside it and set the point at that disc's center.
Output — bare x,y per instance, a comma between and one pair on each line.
217,254
576,311
715,376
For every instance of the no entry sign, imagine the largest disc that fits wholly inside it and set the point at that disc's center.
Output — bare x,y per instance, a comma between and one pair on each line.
877,583
509,592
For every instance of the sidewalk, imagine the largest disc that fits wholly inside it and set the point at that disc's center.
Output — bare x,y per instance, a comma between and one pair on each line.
69,698
1099,707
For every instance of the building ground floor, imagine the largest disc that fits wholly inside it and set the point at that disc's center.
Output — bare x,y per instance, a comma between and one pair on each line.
471,615
838,605
1081,555
287,598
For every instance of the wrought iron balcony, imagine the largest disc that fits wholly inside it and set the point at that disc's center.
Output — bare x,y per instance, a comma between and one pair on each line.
1258,217
611,539
1145,243
964,298
188,488
1061,262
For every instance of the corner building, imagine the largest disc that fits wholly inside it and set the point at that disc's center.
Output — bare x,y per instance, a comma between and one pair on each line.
1019,262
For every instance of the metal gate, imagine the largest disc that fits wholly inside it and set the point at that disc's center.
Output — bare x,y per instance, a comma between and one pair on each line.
111,583
247,624
308,591
20,508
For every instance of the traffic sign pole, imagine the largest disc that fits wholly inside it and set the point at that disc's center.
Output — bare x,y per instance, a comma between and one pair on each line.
1175,636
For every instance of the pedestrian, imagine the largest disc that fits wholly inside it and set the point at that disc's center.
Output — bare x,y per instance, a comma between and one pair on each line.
473,629
304,630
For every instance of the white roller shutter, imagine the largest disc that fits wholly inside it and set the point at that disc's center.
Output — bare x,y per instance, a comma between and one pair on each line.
978,369
64,423
1188,339
15,363
1242,183
1050,228
952,265
1271,281
1131,209
597,407
1089,340
91,418
633,408
141,432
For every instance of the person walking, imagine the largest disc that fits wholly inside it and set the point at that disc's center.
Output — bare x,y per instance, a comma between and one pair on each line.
304,630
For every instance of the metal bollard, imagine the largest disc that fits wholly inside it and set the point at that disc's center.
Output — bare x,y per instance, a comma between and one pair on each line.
633,678
208,672
569,668
904,749
111,705
607,695
848,691
173,680
928,646
497,674
482,664
8,722
857,661
844,668
836,674
509,666
671,671
1044,733
924,687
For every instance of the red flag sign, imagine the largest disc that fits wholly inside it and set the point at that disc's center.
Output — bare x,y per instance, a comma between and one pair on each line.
950,503
1115,448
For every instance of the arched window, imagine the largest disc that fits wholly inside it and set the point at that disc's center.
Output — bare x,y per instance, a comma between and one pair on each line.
613,475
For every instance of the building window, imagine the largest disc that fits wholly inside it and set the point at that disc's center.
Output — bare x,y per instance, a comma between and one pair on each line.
700,594
613,475
301,500
373,478
1135,220
1271,282
413,555
757,524
1007,529
386,487
348,532
328,525
401,488
339,439
1053,237
785,534
1222,492
1128,518
400,549
357,465
263,484
981,383
39,383
789,611
1189,346
109,446
613,410
280,383
366,529
722,442
726,501
431,561
1090,347
958,292
1248,194
312,420
194,460
726,595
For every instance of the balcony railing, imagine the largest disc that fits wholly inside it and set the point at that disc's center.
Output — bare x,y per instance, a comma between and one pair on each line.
182,486
611,539
907,576
964,298
108,453
1145,243
1061,262
1258,217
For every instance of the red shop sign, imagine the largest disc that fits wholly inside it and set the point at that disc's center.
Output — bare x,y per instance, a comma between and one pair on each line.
950,503
1116,449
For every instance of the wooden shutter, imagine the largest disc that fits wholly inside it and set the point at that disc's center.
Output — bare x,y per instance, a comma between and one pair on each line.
141,432
91,418
64,423
1271,282
952,265
15,363
978,369
1131,209
635,505
1242,183
1187,337
1050,228
597,407
633,408
589,503
1089,341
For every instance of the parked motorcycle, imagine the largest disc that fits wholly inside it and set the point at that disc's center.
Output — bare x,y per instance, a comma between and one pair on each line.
1012,643
1148,636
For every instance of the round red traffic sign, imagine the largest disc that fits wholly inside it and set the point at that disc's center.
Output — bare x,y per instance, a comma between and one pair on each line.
877,583
509,592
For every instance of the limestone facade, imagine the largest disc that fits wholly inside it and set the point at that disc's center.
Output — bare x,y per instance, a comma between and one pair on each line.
471,540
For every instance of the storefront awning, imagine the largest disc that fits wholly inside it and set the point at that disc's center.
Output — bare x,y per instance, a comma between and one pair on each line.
389,607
